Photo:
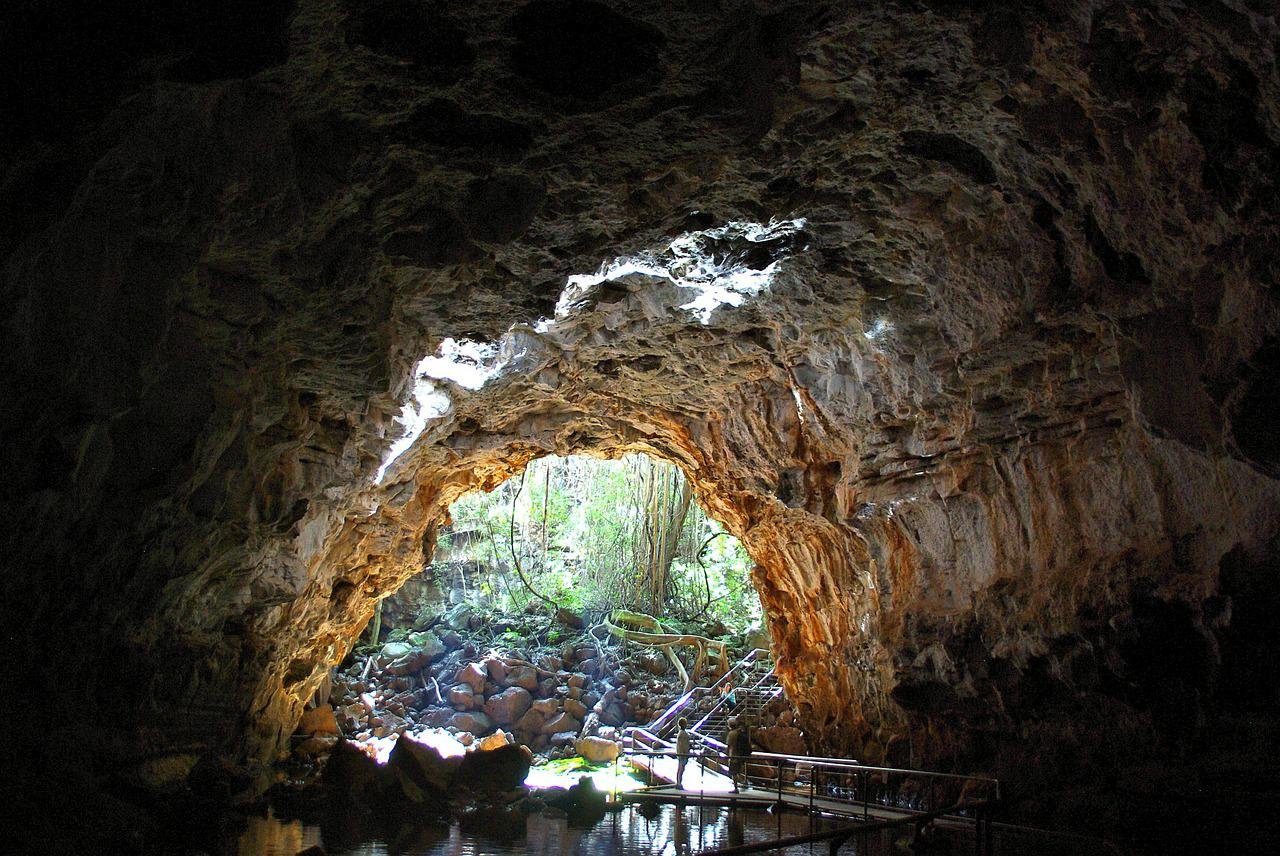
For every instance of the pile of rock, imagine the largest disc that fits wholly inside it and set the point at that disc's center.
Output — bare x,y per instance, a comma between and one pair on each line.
549,700
429,772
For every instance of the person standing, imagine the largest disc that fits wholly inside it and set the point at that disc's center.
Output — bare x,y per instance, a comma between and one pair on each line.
682,750
738,743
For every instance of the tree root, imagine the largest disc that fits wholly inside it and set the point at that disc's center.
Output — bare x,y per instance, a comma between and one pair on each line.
655,636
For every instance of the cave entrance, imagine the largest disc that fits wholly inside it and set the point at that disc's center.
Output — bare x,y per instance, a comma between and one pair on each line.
508,632
585,535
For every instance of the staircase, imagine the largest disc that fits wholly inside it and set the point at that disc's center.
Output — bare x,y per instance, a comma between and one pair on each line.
747,700
753,685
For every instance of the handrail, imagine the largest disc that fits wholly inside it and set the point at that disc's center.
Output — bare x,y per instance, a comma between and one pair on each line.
664,721
844,832
750,658
909,815
838,764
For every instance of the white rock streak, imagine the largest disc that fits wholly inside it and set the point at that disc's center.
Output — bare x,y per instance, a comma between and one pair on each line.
468,364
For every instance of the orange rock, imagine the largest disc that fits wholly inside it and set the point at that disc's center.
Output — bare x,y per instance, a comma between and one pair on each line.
319,720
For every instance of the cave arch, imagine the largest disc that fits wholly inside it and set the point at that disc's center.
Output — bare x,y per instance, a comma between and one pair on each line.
802,573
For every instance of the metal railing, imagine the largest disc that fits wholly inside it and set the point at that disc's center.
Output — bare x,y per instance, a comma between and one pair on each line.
750,700
810,787
836,838
664,723
835,784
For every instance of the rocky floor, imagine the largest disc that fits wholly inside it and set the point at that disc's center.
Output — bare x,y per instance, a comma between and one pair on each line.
487,680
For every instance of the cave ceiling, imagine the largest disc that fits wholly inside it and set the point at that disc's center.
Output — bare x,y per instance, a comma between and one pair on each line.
961,315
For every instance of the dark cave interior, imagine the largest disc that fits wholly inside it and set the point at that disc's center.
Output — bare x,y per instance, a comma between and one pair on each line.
961,316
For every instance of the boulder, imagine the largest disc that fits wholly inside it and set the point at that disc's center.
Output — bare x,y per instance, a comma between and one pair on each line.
425,617
508,706
496,740
547,687
394,650
319,720
578,680
473,675
462,697
583,804
427,643
473,721
494,771
522,675
531,721
497,669
387,723
458,617
597,750
611,713
425,766
353,715
561,722
548,707
437,717
351,772
575,708
318,745
414,661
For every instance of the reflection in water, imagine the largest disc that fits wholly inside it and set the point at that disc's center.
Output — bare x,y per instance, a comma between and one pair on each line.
669,831
267,835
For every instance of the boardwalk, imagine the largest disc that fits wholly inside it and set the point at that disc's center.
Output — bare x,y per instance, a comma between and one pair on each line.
709,787
697,778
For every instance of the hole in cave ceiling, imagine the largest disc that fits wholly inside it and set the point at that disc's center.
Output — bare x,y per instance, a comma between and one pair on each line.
709,269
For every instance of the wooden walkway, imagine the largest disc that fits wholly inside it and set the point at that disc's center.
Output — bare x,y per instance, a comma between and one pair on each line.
868,796
761,798
709,787
698,779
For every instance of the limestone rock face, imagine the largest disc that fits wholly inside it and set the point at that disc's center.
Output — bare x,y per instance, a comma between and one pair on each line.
961,316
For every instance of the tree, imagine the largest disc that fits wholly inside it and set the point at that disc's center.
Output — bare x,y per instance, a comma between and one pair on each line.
601,534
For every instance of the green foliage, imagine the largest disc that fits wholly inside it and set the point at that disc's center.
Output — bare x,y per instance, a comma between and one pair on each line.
582,533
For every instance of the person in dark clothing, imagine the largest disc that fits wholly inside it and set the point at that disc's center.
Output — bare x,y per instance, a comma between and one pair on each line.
738,742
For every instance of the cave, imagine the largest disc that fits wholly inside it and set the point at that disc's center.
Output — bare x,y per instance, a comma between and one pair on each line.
961,316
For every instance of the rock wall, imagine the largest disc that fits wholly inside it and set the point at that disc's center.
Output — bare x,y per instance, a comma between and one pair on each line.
960,315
